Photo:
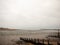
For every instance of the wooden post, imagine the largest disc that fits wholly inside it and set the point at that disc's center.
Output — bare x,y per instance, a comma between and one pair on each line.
48,42
58,33
43,41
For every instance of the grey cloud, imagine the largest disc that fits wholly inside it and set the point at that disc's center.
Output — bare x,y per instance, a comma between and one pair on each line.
30,14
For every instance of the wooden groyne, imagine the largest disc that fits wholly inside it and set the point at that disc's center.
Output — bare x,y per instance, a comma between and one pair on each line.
36,41
50,40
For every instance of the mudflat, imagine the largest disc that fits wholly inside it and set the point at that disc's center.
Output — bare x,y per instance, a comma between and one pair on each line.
10,37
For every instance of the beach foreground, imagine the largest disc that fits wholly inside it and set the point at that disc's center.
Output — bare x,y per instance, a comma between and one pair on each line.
11,37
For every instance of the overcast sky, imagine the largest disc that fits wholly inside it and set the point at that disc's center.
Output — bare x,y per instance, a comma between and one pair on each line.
30,14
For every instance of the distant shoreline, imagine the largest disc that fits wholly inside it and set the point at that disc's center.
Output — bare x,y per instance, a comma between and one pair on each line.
10,29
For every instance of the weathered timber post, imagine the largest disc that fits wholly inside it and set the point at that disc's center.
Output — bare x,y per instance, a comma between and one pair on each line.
43,42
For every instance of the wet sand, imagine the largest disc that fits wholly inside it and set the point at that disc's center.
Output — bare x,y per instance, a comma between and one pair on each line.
10,37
